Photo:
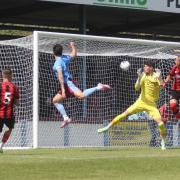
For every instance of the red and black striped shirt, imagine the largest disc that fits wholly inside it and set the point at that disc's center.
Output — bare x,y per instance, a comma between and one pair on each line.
175,73
9,92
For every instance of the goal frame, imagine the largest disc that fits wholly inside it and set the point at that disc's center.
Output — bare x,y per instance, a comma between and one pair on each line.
76,36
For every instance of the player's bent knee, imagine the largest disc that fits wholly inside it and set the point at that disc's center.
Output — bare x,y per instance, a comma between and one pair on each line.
8,130
173,105
173,101
57,100
80,96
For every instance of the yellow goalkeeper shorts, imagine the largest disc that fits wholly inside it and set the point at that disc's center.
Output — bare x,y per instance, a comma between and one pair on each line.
140,106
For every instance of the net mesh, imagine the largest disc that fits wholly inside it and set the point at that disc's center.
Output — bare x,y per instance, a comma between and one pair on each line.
98,60
19,60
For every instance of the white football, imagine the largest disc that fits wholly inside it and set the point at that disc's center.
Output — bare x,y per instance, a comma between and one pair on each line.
125,65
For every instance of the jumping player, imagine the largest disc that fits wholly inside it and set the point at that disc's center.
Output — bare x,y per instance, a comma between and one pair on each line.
67,84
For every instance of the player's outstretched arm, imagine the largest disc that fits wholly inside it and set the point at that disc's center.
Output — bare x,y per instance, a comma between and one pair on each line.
166,81
138,82
73,50
169,77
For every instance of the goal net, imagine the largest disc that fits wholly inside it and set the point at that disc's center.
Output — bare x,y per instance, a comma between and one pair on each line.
98,60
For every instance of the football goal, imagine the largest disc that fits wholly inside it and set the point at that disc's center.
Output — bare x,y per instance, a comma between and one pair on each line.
98,60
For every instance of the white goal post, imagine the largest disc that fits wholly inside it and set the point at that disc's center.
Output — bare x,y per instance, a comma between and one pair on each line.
98,60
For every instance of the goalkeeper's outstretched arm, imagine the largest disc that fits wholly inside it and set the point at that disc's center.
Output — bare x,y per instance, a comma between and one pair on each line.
138,82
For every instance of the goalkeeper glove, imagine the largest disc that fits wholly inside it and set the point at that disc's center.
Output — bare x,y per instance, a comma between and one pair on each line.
158,73
139,72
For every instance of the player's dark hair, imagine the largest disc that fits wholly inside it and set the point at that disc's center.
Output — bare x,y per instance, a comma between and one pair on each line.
57,50
149,63
6,73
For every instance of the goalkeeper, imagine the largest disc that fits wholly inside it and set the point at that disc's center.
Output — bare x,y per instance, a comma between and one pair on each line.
149,82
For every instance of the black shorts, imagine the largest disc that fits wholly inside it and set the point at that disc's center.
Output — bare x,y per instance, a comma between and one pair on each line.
8,122
175,95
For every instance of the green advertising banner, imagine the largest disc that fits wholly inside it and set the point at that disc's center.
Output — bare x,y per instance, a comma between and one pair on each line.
152,5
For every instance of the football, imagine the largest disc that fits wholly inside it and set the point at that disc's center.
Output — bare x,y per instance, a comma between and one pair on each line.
125,65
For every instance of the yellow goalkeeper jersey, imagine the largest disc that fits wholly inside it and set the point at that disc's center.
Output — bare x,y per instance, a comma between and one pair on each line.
150,88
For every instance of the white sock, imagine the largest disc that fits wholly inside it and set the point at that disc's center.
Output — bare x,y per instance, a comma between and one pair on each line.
65,117
1,145
163,147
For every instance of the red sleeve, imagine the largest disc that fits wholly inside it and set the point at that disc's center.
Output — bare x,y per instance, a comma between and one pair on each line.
172,71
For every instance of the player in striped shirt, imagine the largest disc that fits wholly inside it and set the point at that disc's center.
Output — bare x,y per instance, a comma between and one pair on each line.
9,96
174,75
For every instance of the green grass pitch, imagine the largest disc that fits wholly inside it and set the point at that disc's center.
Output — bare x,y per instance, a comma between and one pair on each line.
90,164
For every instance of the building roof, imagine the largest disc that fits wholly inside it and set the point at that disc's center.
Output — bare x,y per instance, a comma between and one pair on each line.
29,15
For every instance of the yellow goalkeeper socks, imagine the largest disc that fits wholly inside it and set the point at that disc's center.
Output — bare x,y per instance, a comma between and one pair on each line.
162,129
